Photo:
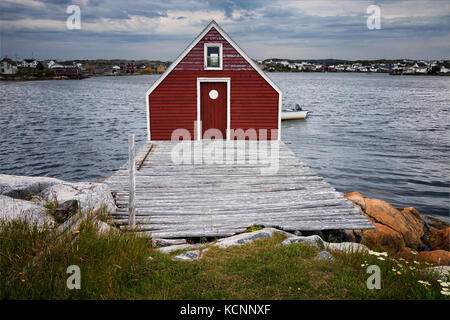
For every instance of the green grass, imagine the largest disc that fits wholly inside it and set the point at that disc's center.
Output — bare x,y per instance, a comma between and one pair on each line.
116,266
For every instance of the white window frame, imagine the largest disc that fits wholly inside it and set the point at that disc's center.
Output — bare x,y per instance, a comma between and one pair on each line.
205,56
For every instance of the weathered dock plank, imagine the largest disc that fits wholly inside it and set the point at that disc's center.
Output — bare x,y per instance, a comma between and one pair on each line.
201,198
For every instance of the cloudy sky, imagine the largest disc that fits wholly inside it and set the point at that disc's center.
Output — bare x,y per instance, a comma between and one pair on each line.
161,29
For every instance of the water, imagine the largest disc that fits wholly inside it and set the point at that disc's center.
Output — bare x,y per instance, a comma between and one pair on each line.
384,136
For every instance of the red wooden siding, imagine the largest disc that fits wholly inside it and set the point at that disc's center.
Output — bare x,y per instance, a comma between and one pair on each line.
173,104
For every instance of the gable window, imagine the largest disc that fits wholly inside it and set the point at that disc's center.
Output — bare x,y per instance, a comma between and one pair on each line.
213,56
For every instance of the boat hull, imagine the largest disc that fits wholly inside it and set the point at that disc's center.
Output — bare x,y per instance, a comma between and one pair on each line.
294,115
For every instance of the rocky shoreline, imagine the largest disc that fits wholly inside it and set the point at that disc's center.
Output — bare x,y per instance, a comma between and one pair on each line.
52,202
404,232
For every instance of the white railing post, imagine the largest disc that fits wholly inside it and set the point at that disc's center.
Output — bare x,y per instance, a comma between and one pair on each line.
132,183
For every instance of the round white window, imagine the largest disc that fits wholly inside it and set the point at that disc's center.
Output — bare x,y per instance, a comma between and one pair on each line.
213,94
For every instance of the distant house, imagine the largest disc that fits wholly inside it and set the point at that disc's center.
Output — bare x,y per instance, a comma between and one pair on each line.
444,70
7,66
67,70
96,70
307,66
161,68
29,63
128,67
149,69
318,67
53,64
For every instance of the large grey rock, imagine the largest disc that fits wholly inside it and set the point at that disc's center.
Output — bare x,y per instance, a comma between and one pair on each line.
187,256
23,187
324,255
314,240
159,242
247,237
18,209
346,246
180,247
65,210
91,196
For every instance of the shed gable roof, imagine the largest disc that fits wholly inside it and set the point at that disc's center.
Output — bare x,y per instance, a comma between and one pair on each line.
205,31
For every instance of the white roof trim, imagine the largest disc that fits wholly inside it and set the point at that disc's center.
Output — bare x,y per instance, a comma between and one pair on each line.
192,45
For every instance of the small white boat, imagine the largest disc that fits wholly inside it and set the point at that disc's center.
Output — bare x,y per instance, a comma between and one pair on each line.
293,115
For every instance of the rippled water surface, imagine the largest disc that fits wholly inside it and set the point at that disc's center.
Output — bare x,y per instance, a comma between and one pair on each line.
384,136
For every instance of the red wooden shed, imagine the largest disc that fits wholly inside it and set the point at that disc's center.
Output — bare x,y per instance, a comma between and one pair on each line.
213,84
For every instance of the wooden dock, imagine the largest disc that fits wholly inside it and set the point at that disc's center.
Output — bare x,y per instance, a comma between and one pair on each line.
215,200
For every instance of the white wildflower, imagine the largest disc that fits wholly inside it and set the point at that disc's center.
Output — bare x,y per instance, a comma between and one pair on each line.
374,253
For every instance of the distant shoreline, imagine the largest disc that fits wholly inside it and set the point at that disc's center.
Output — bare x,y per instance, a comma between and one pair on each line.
15,79
23,79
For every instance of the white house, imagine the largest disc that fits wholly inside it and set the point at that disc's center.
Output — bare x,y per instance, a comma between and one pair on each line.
29,63
7,66
444,70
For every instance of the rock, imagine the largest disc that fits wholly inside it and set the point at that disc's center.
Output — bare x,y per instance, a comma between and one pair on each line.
103,228
23,187
395,229
415,226
203,252
297,233
407,253
407,222
314,240
435,222
439,257
167,242
150,258
346,247
247,237
357,198
187,256
382,237
324,255
438,239
90,196
180,247
65,210
17,209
